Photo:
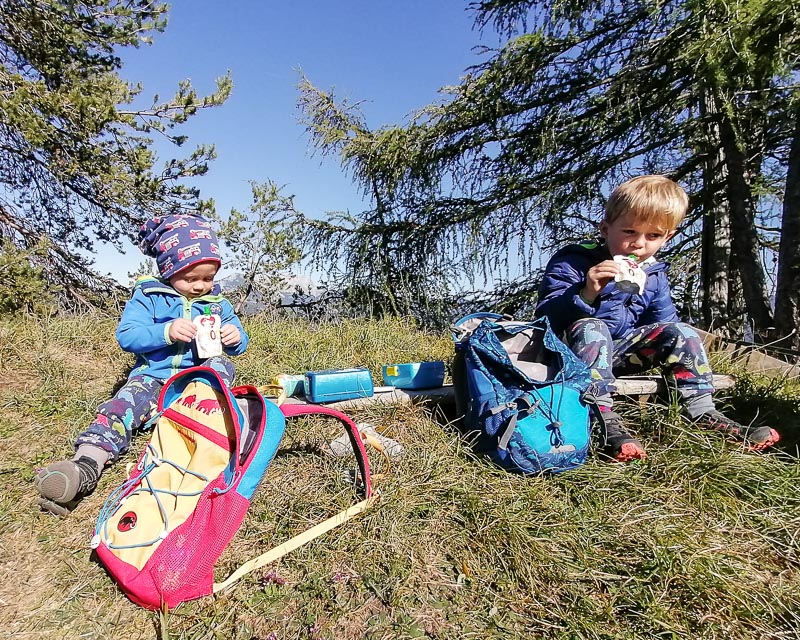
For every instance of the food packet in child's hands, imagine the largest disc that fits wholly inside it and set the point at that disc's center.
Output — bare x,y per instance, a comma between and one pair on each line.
631,277
207,340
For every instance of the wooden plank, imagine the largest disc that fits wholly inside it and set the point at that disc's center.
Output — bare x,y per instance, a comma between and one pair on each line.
647,385
627,386
750,357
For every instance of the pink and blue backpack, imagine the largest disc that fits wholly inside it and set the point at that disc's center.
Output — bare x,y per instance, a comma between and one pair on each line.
160,533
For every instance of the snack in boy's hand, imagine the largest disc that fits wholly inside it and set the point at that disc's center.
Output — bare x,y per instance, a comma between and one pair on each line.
631,277
207,340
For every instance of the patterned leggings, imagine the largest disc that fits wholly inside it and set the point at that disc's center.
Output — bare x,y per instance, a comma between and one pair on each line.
673,346
131,407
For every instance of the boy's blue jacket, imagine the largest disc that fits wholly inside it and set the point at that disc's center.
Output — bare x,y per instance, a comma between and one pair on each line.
145,323
565,276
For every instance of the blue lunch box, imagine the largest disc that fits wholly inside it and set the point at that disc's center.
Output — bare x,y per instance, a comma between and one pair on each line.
333,385
414,375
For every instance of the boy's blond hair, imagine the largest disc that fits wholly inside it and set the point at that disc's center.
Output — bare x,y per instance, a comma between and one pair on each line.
654,199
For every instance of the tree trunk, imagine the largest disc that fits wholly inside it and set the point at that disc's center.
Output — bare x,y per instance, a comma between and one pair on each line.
716,235
716,264
250,282
787,292
744,237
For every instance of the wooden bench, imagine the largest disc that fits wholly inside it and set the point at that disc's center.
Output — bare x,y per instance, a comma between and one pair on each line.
635,386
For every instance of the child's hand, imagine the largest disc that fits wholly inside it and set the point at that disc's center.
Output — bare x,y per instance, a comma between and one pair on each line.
182,330
229,335
598,277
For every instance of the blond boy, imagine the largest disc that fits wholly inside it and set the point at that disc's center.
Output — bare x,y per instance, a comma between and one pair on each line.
619,332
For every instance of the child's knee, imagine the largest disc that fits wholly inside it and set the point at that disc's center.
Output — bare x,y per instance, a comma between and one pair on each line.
683,336
588,331
689,333
224,367
584,322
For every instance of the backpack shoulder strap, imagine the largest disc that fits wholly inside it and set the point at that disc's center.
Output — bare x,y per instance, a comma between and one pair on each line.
292,410
295,543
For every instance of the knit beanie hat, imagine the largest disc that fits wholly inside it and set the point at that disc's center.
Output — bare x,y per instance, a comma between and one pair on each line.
179,241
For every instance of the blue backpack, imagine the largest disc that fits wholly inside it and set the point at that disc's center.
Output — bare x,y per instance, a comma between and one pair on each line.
523,391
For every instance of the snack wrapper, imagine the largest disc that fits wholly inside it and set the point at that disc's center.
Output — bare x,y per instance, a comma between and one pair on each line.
631,277
207,340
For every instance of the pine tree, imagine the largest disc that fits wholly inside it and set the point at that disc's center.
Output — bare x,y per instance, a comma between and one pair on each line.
76,158
263,242
521,154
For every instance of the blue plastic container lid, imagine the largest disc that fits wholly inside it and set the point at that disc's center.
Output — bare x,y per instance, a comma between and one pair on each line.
414,375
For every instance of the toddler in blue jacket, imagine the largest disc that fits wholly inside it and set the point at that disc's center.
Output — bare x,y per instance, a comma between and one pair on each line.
157,326
617,332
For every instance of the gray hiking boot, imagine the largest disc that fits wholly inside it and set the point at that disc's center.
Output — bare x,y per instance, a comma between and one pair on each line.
61,484
753,438
620,445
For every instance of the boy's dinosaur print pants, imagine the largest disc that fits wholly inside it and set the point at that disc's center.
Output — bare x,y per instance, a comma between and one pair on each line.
131,407
674,347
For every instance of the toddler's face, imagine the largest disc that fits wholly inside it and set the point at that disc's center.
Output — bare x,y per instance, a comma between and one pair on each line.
195,281
628,235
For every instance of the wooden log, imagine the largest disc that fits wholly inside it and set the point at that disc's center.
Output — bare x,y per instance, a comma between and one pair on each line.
649,385
627,386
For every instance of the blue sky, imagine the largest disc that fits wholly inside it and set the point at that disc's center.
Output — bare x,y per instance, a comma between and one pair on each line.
394,56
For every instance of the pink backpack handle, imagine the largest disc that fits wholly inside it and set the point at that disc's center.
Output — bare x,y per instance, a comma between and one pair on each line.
291,410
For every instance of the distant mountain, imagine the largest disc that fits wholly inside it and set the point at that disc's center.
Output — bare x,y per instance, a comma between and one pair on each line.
231,282
288,292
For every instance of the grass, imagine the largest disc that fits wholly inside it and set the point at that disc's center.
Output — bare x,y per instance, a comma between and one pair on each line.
700,541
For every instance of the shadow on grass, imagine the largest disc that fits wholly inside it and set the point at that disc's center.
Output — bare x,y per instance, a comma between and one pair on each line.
782,414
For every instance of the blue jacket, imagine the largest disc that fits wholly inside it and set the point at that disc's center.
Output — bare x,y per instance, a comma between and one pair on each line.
565,276
148,315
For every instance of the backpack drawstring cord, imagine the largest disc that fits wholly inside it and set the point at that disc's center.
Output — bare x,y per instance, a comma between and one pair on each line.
150,461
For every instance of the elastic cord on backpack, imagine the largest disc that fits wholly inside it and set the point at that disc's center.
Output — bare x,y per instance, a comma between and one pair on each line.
153,419
556,437
150,461
231,484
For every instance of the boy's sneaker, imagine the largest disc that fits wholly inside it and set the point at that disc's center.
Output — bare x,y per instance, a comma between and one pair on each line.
754,438
619,444
61,483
